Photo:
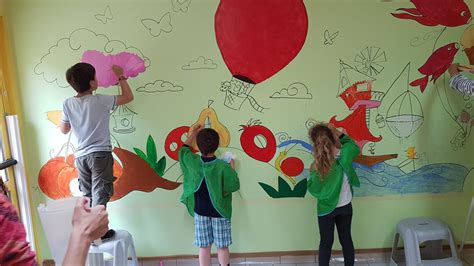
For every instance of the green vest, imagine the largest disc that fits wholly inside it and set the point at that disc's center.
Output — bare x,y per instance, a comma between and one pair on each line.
327,191
220,178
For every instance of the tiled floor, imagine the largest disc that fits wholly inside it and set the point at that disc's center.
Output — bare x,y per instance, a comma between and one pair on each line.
367,259
468,257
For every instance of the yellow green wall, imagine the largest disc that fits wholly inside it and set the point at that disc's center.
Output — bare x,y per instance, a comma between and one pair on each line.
158,222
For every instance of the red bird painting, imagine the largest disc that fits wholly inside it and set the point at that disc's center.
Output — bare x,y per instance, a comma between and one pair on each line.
438,62
449,13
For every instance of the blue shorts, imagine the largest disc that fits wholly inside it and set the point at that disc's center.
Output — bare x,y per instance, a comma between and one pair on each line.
209,230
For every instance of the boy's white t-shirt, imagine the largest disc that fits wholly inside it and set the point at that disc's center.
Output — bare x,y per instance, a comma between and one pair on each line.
89,118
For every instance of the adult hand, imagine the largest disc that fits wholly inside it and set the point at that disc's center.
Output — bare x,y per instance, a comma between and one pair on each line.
92,223
88,224
453,69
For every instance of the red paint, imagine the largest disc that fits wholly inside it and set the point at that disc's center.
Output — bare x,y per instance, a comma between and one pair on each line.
438,62
247,141
351,95
292,166
355,124
259,38
356,127
450,13
176,136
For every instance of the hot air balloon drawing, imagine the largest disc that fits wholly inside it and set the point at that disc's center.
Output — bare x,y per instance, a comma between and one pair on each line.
256,44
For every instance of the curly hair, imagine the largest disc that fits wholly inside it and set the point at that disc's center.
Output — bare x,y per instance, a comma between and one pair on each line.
323,143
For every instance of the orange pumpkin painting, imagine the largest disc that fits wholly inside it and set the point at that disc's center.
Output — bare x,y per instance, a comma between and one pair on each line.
55,176
131,172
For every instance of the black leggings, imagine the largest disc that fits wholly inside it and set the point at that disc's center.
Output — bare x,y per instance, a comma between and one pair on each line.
342,218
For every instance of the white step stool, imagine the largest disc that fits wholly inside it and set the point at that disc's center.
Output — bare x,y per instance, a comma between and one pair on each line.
414,232
119,247
56,217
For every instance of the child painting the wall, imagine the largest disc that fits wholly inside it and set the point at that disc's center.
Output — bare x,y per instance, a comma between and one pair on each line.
331,180
208,186
88,116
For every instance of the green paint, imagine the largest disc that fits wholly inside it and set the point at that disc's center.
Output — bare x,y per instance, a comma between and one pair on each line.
151,150
151,156
160,166
141,154
284,189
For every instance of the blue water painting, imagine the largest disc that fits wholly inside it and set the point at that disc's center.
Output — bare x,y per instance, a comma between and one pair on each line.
384,179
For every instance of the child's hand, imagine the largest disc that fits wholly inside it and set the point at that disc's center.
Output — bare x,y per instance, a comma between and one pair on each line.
195,129
338,143
118,70
232,163
334,130
192,134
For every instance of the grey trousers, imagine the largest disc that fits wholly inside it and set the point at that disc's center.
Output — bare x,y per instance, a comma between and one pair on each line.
96,179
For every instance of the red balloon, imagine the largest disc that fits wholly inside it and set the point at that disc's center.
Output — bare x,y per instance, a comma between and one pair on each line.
259,38
292,166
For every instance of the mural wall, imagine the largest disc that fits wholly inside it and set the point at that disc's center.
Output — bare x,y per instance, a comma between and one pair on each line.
260,73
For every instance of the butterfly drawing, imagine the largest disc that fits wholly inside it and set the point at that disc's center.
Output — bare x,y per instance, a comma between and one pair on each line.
106,16
329,38
180,5
156,27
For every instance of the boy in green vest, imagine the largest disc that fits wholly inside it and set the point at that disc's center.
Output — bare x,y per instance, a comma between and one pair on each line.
207,193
